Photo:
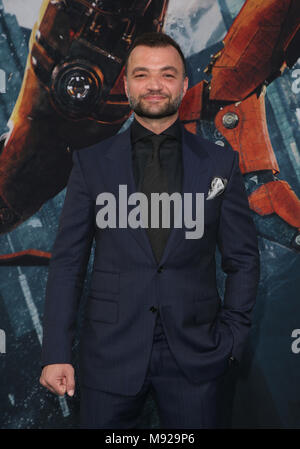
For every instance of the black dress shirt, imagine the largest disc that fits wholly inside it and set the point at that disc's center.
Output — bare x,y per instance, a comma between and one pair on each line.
170,154
170,159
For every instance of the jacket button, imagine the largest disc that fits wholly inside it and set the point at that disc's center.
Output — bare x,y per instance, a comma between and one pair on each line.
159,269
153,309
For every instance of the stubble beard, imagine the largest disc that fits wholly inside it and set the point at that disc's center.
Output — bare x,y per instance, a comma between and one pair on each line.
167,109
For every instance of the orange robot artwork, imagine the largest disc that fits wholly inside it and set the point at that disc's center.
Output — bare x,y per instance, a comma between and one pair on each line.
72,96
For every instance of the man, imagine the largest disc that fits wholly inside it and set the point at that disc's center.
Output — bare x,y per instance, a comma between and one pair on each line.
153,318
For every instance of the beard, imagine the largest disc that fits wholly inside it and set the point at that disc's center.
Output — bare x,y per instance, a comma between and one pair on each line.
143,110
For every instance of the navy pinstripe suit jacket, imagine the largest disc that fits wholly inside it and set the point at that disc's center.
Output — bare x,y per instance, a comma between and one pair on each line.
127,284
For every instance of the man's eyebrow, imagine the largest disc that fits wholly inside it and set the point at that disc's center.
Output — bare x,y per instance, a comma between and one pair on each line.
145,69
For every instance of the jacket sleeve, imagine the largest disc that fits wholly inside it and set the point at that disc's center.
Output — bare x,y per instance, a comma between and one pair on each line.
67,268
238,244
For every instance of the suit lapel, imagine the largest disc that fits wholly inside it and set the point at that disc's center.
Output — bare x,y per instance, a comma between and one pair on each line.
197,172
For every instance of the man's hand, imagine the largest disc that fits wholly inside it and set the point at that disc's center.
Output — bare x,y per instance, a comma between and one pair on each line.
59,378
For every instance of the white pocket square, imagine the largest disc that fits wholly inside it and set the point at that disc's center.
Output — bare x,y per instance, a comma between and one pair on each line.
217,186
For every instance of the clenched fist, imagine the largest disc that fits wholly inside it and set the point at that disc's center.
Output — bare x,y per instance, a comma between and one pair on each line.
59,378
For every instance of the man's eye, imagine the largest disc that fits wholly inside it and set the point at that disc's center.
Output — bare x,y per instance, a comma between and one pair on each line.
169,75
138,76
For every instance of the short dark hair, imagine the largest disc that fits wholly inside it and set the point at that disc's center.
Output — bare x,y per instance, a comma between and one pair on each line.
156,39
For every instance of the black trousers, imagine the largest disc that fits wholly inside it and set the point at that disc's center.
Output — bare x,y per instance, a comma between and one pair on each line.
180,403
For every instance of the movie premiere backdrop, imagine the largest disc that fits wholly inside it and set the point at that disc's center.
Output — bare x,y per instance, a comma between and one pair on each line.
61,89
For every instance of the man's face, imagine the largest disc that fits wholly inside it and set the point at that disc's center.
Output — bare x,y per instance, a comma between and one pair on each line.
155,85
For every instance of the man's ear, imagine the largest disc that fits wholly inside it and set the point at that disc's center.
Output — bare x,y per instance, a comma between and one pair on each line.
186,84
125,84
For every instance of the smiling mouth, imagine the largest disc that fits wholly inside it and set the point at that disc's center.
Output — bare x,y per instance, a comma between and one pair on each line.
154,98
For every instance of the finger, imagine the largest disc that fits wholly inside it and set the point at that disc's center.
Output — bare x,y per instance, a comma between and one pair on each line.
50,388
44,383
55,387
70,384
60,385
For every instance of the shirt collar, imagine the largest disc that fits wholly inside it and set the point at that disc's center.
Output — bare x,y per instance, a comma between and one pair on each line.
139,131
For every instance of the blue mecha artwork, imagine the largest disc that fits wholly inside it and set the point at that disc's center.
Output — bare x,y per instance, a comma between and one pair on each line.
61,68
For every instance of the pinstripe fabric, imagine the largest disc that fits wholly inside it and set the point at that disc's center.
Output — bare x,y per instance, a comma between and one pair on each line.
180,403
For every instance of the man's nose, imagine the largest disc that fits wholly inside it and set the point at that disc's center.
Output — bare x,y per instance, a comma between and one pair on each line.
154,83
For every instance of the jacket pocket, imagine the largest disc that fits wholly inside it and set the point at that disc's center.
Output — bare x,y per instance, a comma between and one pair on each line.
105,281
103,310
